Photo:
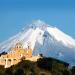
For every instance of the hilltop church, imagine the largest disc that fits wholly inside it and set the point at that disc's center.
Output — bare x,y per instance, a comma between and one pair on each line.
15,54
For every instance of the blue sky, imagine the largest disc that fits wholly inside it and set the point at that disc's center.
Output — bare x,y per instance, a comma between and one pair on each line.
15,14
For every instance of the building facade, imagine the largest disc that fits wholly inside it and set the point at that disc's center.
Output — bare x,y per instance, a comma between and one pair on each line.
15,54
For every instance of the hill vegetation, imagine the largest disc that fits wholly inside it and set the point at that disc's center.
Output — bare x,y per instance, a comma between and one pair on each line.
44,66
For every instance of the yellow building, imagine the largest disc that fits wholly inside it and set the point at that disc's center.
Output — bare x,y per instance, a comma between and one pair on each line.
15,54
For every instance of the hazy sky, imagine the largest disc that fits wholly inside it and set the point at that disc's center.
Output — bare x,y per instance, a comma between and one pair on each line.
15,14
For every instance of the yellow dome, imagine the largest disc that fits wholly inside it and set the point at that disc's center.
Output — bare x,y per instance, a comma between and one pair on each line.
18,45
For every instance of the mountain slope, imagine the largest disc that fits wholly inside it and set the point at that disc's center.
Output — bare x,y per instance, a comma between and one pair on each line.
45,39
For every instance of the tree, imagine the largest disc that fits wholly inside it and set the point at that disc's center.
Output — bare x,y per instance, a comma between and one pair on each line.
8,71
3,53
67,72
19,72
73,70
2,70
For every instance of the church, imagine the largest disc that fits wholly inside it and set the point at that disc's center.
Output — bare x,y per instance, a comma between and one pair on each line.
15,54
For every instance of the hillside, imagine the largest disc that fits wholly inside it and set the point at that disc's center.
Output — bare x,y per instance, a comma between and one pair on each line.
44,66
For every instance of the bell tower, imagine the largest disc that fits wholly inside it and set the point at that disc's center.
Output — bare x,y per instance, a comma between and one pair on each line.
29,45
29,50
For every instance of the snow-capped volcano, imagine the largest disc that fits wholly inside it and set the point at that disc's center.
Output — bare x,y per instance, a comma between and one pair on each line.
45,39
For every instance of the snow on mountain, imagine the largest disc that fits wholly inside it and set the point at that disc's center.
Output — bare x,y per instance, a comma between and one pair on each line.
45,39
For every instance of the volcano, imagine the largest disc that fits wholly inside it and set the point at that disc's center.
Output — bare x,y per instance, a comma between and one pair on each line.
45,39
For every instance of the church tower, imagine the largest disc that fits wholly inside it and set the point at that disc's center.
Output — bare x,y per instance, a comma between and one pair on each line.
18,46
29,45
29,50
